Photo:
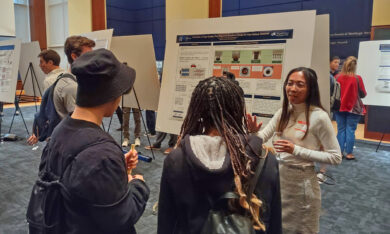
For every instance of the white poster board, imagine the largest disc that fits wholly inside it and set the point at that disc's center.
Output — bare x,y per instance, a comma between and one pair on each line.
9,64
29,54
320,59
102,38
374,68
138,53
263,47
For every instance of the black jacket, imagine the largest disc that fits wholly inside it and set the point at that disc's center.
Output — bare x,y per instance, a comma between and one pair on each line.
96,176
183,203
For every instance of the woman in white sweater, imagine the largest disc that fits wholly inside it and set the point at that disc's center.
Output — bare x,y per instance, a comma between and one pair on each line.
307,136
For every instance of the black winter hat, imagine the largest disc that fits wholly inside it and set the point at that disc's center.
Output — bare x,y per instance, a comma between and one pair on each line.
101,78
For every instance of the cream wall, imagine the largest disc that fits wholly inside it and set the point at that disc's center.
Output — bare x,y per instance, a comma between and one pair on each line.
381,12
7,18
79,16
186,9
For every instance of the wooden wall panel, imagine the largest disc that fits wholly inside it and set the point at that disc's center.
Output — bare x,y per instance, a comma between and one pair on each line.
38,22
98,15
214,8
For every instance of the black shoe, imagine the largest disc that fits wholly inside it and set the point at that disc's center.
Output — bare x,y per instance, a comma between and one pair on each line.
119,129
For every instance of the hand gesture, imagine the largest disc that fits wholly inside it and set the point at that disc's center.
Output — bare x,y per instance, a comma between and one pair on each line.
131,159
253,127
284,146
138,177
32,140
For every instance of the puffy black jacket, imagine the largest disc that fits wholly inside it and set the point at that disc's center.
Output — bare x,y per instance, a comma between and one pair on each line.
185,183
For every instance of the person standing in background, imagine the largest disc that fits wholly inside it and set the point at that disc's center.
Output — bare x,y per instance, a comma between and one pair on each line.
351,107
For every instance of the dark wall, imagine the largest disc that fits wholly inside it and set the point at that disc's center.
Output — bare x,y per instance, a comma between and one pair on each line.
135,17
350,20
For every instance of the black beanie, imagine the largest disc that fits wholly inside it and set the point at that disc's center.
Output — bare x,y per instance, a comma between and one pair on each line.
101,78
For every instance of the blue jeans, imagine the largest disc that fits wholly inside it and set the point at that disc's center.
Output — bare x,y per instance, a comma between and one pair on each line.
346,127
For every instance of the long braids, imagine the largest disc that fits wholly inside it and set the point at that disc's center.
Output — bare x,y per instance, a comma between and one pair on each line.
218,103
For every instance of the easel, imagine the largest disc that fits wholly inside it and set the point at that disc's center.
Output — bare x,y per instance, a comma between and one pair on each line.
380,142
33,79
142,157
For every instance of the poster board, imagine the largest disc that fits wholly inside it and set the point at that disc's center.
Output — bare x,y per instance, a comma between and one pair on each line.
138,53
320,58
7,18
102,38
374,68
9,64
283,41
29,54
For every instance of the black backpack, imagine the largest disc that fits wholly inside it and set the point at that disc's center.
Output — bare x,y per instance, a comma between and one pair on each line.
335,98
45,210
223,221
47,118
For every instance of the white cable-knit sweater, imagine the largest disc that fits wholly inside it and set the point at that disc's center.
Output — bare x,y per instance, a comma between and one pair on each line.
306,151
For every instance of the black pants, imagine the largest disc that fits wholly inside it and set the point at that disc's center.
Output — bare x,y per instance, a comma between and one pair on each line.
151,121
161,136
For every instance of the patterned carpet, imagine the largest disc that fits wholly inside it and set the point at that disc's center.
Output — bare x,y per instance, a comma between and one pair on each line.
358,203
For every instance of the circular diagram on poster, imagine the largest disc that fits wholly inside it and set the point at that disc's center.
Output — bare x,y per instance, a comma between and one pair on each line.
268,71
244,71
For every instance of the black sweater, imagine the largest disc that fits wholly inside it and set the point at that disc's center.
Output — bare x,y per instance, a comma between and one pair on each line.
97,175
183,203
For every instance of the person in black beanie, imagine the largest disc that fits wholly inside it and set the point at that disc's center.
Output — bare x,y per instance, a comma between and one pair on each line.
109,199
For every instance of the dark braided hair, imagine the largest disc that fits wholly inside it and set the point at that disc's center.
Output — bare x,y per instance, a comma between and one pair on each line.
218,104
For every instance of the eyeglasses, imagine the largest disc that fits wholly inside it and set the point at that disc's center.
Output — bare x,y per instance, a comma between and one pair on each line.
298,84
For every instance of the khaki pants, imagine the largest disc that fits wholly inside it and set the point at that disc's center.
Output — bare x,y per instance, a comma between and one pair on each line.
137,121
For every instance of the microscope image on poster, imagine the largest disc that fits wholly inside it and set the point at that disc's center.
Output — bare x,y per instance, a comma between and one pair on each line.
382,84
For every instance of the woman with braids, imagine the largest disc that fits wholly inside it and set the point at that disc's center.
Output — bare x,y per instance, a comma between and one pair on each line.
215,155
304,127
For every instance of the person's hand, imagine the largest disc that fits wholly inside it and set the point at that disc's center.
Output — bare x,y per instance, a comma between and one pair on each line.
32,140
253,127
131,159
284,146
138,177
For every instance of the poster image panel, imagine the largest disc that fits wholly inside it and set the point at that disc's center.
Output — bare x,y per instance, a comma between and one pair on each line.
9,64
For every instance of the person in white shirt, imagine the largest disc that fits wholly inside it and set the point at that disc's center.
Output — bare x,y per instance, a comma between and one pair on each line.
305,136
49,62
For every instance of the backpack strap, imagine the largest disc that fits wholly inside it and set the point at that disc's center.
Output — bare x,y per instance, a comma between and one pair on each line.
252,185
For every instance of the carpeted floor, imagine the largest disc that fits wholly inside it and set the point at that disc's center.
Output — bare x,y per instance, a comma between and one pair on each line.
358,203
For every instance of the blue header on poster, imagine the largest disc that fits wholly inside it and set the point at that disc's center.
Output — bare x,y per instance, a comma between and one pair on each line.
251,42
196,44
384,47
266,97
242,36
7,47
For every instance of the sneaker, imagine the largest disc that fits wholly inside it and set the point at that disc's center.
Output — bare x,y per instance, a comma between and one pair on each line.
148,147
125,142
150,134
17,112
119,129
168,151
137,142
1,114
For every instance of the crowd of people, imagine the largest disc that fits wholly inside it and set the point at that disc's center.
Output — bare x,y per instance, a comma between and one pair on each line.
87,186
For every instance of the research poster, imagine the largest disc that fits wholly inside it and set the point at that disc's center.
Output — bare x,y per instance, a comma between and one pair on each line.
258,49
255,58
374,68
9,63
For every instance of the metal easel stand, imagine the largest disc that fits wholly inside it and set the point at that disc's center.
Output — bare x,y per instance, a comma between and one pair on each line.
380,142
34,81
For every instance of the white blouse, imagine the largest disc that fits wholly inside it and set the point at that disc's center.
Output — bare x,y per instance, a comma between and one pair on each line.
308,150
